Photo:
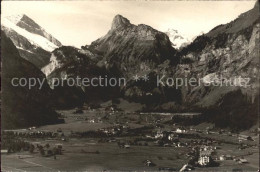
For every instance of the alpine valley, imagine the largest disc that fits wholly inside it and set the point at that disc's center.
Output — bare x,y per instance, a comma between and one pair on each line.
151,122
229,50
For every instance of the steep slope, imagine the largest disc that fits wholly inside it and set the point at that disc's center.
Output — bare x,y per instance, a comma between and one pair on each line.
71,63
32,41
66,55
232,52
242,22
228,52
21,106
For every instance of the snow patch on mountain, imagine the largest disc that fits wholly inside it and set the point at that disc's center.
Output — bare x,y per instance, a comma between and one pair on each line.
34,39
53,65
24,50
178,39
14,18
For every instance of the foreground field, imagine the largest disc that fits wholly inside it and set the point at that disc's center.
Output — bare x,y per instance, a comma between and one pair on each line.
81,153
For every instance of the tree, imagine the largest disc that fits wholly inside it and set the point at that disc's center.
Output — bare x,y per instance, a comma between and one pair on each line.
47,145
42,152
49,153
56,151
31,149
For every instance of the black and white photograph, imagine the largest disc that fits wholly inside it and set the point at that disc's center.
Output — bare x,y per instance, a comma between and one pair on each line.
136,85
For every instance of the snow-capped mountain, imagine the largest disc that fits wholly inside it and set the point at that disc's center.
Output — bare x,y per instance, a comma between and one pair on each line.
32,41
178,39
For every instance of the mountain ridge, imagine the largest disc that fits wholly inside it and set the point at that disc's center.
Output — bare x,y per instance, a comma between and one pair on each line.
132,44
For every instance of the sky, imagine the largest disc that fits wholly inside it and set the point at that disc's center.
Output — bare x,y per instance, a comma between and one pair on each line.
79,23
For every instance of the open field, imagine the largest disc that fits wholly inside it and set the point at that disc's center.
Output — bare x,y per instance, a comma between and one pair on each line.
111,157
78,156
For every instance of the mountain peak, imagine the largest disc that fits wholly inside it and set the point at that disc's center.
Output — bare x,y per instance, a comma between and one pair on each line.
120,21
29,32
15,18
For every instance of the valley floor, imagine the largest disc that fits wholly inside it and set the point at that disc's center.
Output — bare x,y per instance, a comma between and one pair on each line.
84,149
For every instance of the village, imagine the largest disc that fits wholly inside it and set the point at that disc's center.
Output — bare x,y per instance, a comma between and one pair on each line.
165,144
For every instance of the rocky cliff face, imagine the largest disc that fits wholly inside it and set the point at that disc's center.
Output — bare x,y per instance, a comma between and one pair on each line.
131,48
21,106
230,52
72,63
32,41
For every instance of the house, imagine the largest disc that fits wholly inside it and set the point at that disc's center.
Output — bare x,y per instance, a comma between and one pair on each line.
225,157
111,109
206,148
229,157
92,121
126,146
158,135
4,151
180,130
149,163
32,128
187,167
242,138
170,136
242,161
148,136
149,94
180,144
126,127
205,158
222,157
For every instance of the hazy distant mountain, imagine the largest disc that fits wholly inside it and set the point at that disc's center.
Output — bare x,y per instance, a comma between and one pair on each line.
32,41
21,106
178,40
